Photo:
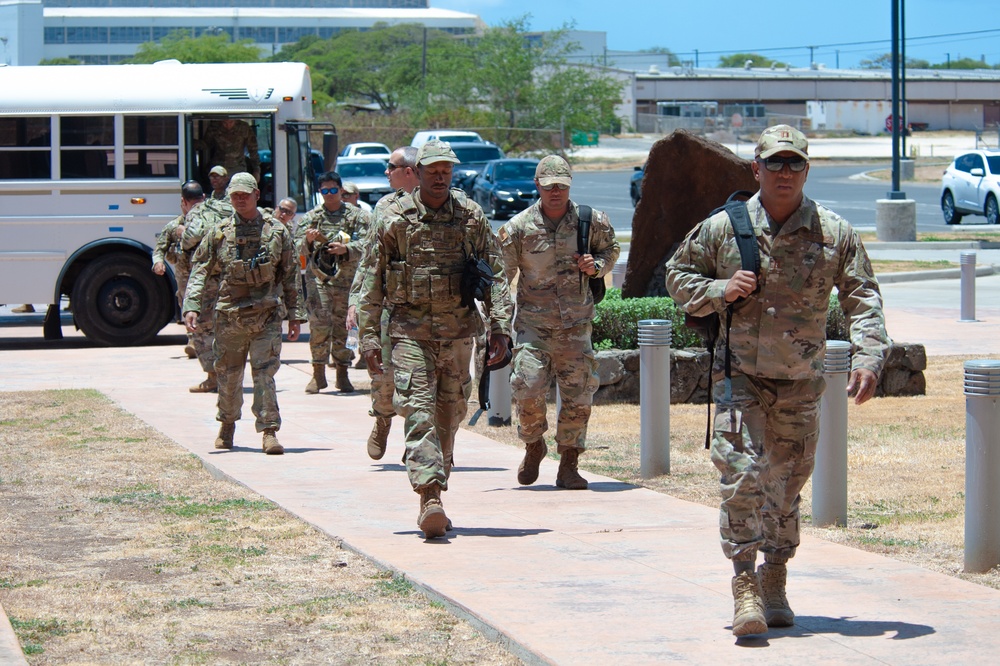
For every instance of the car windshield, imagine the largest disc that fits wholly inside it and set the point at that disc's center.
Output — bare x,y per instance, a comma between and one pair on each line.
457,137
371,150
994,162
477,154
372,169
516,171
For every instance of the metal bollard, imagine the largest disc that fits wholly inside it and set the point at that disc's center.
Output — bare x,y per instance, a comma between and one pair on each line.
982,465
967,261
654,397
829,481
500,397
618,272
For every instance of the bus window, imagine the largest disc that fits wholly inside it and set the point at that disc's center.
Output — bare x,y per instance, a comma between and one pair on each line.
88,146
25,148
151,147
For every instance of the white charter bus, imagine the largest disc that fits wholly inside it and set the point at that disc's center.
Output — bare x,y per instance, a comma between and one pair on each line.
91,163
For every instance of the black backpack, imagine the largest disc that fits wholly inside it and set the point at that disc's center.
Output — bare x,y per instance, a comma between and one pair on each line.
597,286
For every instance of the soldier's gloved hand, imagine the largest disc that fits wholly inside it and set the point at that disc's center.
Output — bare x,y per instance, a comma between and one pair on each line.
373,359
294,328
499,344
191,320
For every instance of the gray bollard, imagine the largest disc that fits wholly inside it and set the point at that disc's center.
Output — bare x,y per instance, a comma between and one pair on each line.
500,397
967,261
982,465
896,219
829,481
655,336
618,272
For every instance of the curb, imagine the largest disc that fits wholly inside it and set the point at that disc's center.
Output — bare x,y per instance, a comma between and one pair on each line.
926,245
943,274
10,648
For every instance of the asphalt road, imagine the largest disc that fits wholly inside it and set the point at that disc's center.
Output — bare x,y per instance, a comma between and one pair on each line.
830,185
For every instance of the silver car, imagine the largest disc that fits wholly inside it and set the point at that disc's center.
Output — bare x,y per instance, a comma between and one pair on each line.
368,173
971,186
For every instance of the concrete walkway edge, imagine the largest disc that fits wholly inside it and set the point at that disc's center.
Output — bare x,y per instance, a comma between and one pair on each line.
11,653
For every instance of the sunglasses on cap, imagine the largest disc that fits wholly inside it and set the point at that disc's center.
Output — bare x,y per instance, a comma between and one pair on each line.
776,164
329,190
558,186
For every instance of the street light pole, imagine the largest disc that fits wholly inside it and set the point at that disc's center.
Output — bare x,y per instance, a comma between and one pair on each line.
895,193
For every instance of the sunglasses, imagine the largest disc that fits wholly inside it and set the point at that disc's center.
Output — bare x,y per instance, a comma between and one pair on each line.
776,164
286,211
393,167
329,190
558,186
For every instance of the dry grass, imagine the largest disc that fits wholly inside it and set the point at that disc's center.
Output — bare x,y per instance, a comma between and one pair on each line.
116,546
906,476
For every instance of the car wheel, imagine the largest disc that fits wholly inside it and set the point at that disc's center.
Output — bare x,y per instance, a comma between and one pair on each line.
991,210
951,216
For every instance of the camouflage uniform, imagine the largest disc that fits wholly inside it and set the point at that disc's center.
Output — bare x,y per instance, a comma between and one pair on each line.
234,148
326,298
257,272
418,258
201,221
168,249
555,309
382,386
766,425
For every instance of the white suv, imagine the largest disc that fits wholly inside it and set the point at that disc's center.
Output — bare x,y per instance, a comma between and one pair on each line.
971,186
451,136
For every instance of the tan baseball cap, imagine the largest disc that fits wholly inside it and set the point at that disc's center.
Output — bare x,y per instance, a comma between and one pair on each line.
219,171
553,170
780,139
242,182
436,151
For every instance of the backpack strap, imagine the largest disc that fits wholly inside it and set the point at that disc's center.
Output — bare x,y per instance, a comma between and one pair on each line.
586,214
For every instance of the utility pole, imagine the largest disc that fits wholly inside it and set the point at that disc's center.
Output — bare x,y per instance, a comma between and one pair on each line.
895,193
696,58
811,60
838,58
902,73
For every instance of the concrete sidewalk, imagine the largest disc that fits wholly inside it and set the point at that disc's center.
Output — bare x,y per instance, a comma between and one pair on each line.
615,574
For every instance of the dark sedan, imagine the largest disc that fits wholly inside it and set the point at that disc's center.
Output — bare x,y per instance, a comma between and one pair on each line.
506,187
474,157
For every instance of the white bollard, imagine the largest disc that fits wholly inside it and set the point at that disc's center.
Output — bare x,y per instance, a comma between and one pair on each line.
655,336
618,272
829,481
967,262
500,397
982,465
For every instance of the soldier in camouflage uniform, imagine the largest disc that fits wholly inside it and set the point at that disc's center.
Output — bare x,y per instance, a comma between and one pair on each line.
340,229
767,415
232,143
257,274
422,246
555,309
168,248
201,221
218,177
402,174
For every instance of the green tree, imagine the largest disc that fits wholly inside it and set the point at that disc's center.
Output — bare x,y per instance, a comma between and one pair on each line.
962,63
740,60
884,61
672,59
179,45
60,61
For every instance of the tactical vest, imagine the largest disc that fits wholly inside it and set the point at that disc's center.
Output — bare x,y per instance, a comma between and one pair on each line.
247,260
433,259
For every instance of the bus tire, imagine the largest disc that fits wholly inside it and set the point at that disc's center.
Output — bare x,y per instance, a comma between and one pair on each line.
117,301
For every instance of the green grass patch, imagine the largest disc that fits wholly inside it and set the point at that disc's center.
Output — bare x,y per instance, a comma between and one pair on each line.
394,585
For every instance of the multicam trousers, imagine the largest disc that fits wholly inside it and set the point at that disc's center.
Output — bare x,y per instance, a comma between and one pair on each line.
764,444
568,355
433,384
259,336
203,337
382,385
327,306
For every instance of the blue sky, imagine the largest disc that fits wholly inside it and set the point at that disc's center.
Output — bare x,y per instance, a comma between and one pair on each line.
791,26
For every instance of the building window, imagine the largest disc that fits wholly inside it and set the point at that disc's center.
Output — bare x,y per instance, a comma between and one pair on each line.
286,35
259,35
55,35
82,35
25,148
129,35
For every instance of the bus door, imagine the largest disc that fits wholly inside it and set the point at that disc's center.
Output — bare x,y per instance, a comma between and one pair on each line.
238,142
305,163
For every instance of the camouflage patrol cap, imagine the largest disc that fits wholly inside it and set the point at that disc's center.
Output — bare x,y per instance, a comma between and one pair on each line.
553,170
436,151
780,139
219,170
242,182
347,187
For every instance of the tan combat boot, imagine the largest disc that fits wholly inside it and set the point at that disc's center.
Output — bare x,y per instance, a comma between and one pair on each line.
748,607
225,438
377,440
343,381
527,472
210,385
432,519
318,381
567,477
189,351
270,443
777,612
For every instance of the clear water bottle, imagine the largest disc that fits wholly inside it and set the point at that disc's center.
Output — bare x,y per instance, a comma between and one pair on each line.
352,339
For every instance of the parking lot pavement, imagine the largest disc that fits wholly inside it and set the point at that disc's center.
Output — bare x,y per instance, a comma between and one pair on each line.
615,574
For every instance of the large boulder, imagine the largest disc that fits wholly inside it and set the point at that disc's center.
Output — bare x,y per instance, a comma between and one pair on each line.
686,178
